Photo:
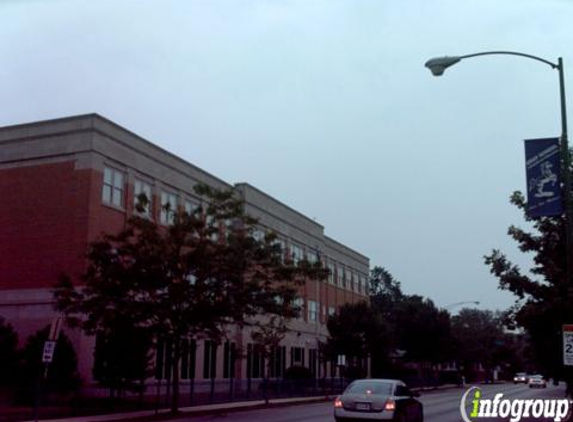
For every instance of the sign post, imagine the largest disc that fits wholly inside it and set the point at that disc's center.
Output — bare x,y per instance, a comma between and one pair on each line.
568,344
47,357
341,363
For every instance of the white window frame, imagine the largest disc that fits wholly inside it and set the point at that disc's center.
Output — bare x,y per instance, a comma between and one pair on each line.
296,252
141,186
258,234
113,187
340,276
299,304
312,311
168,216
190,206
312,256
331,269
282,244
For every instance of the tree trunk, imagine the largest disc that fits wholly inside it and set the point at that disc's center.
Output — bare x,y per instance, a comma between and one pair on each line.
175,378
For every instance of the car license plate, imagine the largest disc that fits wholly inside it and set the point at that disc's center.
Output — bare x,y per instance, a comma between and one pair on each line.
362,406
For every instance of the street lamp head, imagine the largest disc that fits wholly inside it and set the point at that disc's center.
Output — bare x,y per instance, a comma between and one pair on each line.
437,65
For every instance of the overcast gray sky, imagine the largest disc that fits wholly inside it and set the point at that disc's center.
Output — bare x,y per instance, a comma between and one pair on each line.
325,105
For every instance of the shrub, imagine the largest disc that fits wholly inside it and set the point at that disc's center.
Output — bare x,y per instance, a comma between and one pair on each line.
62,376
8,353
297,372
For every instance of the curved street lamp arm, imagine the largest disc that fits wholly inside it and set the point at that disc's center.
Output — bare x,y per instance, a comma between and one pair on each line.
453,305
513,53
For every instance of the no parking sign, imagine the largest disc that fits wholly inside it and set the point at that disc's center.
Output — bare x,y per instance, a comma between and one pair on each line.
568,344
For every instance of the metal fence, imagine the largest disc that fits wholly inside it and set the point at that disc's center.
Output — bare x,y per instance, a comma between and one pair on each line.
198,392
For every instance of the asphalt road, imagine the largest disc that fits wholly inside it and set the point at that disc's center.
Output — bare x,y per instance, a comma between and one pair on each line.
439,406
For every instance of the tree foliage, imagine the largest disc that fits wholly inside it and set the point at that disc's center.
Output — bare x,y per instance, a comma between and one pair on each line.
479,337
357,331
62,376
543,301
122,358
189,279
8,353
418,327
392,321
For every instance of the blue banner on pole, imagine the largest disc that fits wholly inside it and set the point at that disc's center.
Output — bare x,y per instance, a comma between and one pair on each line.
543,169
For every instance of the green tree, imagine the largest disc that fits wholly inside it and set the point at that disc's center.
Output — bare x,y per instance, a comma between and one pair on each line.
416,325
62,376
195,277
479,337
543,301
122,358
421,329
383,287
357,331
8,353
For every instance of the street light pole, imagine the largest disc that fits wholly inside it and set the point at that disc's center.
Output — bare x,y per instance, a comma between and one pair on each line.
439,64
566,174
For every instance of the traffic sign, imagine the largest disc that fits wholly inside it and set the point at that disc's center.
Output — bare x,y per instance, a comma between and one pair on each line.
48,354
568,344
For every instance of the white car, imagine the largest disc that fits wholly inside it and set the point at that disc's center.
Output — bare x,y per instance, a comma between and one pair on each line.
378,399
520,377
537,381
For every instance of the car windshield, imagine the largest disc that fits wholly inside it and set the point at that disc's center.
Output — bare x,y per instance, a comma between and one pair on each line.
371,387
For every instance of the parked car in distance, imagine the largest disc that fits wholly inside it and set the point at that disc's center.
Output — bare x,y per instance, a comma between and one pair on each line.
378,399
520,377
537,381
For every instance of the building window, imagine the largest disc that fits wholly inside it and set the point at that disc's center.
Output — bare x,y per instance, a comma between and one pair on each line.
278,362
255,362
281,243
340,275
348,280
168,207
364,285
299,305
190,207
258,235
213,226
312,311
229,357
331,311
296,253
313,362
113,187
188,358
210,360
163,359
297,356
312,257
141,189
331,273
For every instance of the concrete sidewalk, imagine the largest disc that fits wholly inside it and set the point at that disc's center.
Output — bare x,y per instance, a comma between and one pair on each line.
194,410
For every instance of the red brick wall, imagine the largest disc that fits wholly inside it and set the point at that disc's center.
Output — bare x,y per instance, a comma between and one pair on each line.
47,215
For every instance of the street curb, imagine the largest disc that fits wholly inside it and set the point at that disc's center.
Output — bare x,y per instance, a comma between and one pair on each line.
216,409
211,409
